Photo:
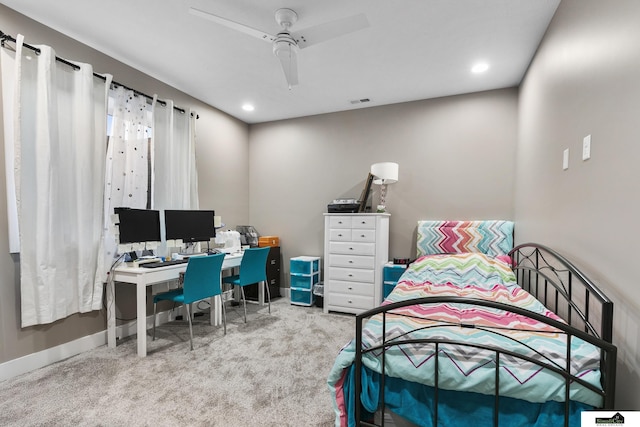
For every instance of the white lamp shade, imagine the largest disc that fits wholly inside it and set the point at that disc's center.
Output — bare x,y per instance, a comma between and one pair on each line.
384,173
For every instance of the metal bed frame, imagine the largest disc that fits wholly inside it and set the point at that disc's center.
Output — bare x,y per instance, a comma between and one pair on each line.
554,281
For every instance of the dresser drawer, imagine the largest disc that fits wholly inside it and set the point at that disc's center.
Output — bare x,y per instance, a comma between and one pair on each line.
352,248
352,288
351,274
349,303
340,235
364,222
363,235
352,261
340,222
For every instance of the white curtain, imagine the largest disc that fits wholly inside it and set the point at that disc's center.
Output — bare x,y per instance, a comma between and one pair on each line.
129,166
8,71
59,162
176,178
150,164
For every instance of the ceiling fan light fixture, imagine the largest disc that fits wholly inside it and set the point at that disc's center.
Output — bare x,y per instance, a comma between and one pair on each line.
286,49
283,46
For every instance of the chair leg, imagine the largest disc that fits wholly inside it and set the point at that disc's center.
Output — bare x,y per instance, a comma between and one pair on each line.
224,315
190,327
244,301
154,321
266,286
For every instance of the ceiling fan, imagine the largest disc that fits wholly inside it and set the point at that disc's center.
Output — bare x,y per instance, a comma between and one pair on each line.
286,43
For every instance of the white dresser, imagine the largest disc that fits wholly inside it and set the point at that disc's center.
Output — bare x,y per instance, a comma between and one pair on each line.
356,247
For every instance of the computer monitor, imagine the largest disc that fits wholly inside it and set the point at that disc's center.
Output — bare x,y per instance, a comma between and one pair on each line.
189,225
138,225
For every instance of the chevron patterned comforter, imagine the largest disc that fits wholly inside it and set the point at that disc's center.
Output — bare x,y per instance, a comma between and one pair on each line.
472,275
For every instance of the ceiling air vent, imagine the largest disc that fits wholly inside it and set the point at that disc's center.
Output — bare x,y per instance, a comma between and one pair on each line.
359,101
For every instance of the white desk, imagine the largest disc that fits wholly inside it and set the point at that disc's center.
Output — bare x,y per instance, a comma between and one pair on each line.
143,277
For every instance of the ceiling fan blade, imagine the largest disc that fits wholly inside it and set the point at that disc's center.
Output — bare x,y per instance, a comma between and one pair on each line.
330,30
287,55
232,24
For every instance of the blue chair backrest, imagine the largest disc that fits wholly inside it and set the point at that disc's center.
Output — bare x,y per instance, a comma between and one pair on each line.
202,277
253,267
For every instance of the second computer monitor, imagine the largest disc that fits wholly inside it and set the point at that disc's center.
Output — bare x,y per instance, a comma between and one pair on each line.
189,225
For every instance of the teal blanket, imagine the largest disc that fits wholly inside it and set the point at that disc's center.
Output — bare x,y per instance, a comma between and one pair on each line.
415,402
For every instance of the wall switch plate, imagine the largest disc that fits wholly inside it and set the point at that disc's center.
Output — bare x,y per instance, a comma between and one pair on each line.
565,159
586,147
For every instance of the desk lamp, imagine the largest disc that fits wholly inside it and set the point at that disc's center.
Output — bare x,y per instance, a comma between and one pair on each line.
384,173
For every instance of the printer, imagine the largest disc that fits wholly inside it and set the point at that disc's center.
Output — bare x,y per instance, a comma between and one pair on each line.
343,206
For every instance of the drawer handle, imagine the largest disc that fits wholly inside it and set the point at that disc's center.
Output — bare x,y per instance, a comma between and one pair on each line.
350,288
362,235
350,275
339,222
350,249
350,302
350,261
339,235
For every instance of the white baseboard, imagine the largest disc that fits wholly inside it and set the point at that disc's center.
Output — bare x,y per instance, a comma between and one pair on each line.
40,359
34,361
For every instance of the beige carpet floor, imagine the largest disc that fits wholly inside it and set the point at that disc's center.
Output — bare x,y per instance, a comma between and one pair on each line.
271,371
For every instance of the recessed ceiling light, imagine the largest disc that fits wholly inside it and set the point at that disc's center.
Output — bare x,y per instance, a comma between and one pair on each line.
248,107
480,67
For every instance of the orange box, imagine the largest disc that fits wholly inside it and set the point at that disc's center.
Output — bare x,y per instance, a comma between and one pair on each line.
268,241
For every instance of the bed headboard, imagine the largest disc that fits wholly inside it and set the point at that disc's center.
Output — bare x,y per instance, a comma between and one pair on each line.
493,237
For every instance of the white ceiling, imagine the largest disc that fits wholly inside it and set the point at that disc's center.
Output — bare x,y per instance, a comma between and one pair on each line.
412,50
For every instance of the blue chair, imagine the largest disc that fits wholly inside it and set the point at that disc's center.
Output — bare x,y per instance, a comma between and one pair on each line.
201,280
253,269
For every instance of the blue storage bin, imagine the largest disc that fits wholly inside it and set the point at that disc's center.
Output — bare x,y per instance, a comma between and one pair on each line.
301,297
305,274
304,265
390,275
392,272
304,282
388,287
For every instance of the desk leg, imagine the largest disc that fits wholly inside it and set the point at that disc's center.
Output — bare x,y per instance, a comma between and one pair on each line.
111,314
141,298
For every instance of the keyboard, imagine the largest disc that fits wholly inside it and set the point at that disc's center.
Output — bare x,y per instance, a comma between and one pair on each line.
164,263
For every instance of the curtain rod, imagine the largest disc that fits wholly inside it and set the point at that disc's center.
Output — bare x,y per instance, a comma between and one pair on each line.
4,37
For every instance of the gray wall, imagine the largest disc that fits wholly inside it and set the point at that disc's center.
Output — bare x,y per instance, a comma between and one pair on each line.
585,80
489,155
222,152
456,157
